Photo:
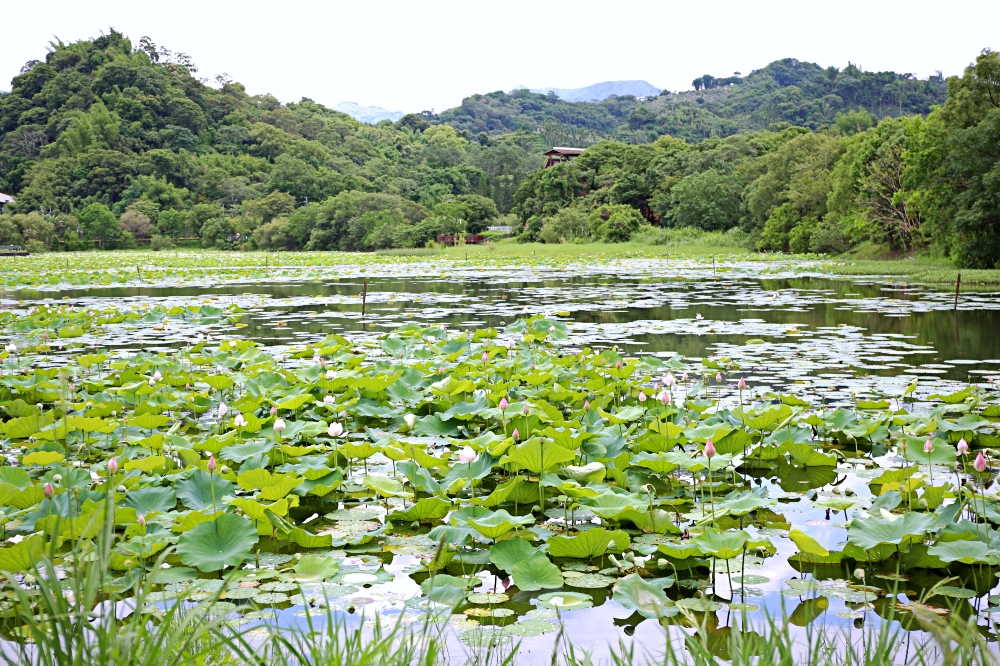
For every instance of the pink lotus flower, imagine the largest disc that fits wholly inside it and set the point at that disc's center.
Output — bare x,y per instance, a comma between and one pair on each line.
468,455
980,464
516,435
928,446
665,397
709,448
49,491
330,374
328,399
718,377
141,520
212,464
510,343
504,404
239,421
684,377
157,376
642,397
962,448
152,382
526,409
586,405
112,466
279,425
669,379
486,357
223,409
742,384
335,429
274,410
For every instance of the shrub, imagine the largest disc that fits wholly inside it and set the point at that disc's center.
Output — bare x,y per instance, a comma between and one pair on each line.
136,224
36,247
828,237
800,235
615,224
216,233
158,243
567,226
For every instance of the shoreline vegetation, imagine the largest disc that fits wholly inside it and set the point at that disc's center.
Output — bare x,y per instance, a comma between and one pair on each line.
110,144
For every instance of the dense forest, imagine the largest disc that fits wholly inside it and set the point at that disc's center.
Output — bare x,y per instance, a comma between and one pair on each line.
108,143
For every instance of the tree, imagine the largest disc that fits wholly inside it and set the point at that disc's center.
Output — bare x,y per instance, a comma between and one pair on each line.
136,224
707,200
100,227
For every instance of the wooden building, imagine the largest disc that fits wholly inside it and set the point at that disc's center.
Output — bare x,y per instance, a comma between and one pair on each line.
560,154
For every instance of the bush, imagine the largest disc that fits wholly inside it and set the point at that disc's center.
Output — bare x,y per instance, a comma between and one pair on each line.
682,236
775,235
275,235
36,247
615,224
158,243
800,235
829,238
569,225
216,233
136,223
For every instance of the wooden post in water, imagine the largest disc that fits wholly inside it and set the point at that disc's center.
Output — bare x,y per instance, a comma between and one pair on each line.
364,298
138,272
713,266
958,285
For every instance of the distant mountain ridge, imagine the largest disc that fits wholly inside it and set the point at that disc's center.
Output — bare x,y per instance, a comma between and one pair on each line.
600,91
367,114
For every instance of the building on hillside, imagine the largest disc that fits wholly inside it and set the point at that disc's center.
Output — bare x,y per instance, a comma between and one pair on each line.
4,200
560,154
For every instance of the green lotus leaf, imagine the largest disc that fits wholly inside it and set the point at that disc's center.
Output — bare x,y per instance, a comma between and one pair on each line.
23,555
495,525
536,573
427,509
445,589
807,544
240,452
609,504
151,499
648,599
744,504
203,490
723,545
590,543
537,456
590,473
565,600
807,456
898,530
966,552
506,554
314,569
216,544
385,487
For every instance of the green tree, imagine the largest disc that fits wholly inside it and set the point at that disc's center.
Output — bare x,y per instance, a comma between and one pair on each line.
101,228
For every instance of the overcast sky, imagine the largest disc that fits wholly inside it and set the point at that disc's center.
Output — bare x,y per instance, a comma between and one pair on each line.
410,56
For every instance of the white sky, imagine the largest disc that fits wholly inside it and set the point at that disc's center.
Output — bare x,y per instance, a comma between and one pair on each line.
410,56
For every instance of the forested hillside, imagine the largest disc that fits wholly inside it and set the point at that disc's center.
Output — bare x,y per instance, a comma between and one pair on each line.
107,143
908,183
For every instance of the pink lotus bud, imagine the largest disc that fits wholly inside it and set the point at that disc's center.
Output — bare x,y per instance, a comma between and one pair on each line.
980,464
49,491
112,466
157,376
664,397
928,446
642,397
239,421
656,387
468,455
279,425
962,448
328,399
72,388
212,464
510,343
222,409
526,409
274,410
516,435
586,405
486,357
330,374
684,377
709,448
152,382
141,520
618,365
669,379
742,384
532,365
718,377
335,429
503,404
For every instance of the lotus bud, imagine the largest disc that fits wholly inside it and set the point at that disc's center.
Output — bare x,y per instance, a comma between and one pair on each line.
328,399
730,470
57,478
141,520
49,491
335,429
486,357
532,366
859,574
72,388
962,448
232,343
503,404
157,376
928,446
239,421
112,466
742,384
330,374
11,348
709,448
121,489
980,464
684,377
279,425
515,435
642,397
718,377
212,464
656,387
467,455
274,410
618,365
410,420
225,469
665,397
669,379
152,382
586,405
222,409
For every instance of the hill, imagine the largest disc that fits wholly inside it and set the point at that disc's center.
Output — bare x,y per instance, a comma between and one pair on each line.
600,91
367,114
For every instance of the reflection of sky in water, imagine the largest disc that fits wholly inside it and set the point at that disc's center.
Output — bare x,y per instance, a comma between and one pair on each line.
830,339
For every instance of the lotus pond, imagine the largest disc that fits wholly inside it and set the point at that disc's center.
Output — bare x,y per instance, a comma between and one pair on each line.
513,451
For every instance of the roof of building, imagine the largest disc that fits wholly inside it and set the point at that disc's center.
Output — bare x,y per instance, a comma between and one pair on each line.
6,198
559,150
